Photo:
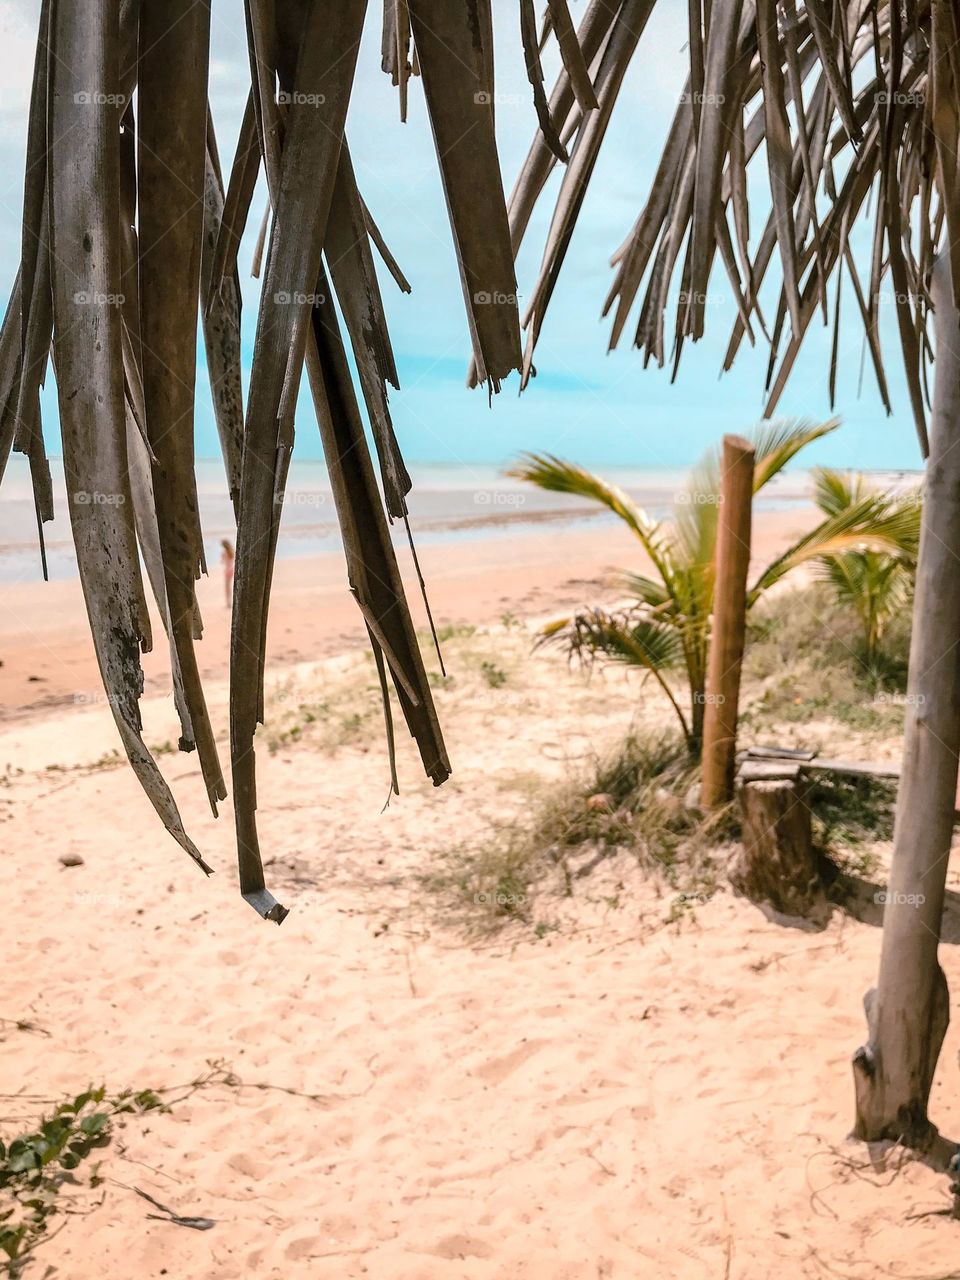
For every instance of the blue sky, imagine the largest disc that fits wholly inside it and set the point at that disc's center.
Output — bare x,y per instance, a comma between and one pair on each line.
595,408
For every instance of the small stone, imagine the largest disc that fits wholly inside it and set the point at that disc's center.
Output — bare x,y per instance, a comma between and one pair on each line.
71,860
600,801
692,799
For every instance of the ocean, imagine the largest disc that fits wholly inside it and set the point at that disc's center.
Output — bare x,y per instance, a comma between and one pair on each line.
449,503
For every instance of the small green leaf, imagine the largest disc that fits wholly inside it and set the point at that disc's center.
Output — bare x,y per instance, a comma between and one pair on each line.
95,1124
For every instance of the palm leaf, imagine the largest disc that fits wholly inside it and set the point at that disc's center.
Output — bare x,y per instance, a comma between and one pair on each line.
834,491
633,638
553,474
127,232
777,443
868,523
863,90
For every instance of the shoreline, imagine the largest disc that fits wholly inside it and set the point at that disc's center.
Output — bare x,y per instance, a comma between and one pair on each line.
47,655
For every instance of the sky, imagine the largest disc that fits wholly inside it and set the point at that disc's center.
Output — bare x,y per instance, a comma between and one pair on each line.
587,405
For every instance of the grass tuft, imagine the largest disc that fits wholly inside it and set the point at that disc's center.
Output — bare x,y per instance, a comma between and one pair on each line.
635,801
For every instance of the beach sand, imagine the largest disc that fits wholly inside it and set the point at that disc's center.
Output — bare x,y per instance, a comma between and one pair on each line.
612,1089
48,658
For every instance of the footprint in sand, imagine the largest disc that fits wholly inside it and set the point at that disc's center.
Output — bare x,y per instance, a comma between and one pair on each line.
460,1246
497,1069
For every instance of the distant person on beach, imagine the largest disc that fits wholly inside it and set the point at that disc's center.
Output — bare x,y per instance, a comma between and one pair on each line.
226,559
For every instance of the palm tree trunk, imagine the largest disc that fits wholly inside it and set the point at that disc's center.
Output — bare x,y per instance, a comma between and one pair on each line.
908,1012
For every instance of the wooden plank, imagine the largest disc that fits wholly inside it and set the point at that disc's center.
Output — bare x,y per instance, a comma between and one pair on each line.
769,771
780,753
781,762
855,768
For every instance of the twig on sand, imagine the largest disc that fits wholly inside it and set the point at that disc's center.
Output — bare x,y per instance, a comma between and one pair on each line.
25,1024
606,1168
169,1215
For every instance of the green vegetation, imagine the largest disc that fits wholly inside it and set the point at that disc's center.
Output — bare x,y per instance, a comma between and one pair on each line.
803,666
34,1166
331,716
850,813
667,629
493,675
636,801
805,685
876,584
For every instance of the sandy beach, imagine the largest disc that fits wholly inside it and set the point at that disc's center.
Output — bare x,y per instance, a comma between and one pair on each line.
48,658
612,1088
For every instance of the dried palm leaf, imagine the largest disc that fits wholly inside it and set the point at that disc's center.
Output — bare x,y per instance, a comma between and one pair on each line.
856,101
128,234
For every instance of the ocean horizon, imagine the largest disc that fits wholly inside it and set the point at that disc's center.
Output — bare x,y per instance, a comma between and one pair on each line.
450,502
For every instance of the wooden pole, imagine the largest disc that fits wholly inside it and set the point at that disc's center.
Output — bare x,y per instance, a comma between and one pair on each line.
907,1014
729,623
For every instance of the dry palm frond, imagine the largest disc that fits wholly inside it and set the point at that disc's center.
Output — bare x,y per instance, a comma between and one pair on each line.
858,105
129,234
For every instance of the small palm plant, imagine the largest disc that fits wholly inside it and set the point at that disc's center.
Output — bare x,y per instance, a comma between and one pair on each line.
666,626
876,583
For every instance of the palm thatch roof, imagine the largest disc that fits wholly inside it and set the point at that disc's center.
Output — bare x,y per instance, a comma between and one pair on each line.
852,107
129,234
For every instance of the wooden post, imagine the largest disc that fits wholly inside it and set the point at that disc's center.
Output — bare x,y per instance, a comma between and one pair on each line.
729,623
907,1014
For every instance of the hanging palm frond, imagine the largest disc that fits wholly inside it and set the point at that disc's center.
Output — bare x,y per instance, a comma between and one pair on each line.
856,106
129,235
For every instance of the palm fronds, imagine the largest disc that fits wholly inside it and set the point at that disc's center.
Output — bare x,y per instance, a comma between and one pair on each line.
874,579
129,232
868,523
557,476
670,625
854,104
632,637
777,443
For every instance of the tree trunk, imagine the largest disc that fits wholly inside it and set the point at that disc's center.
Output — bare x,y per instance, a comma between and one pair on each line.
729,623
777,863
907,1014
